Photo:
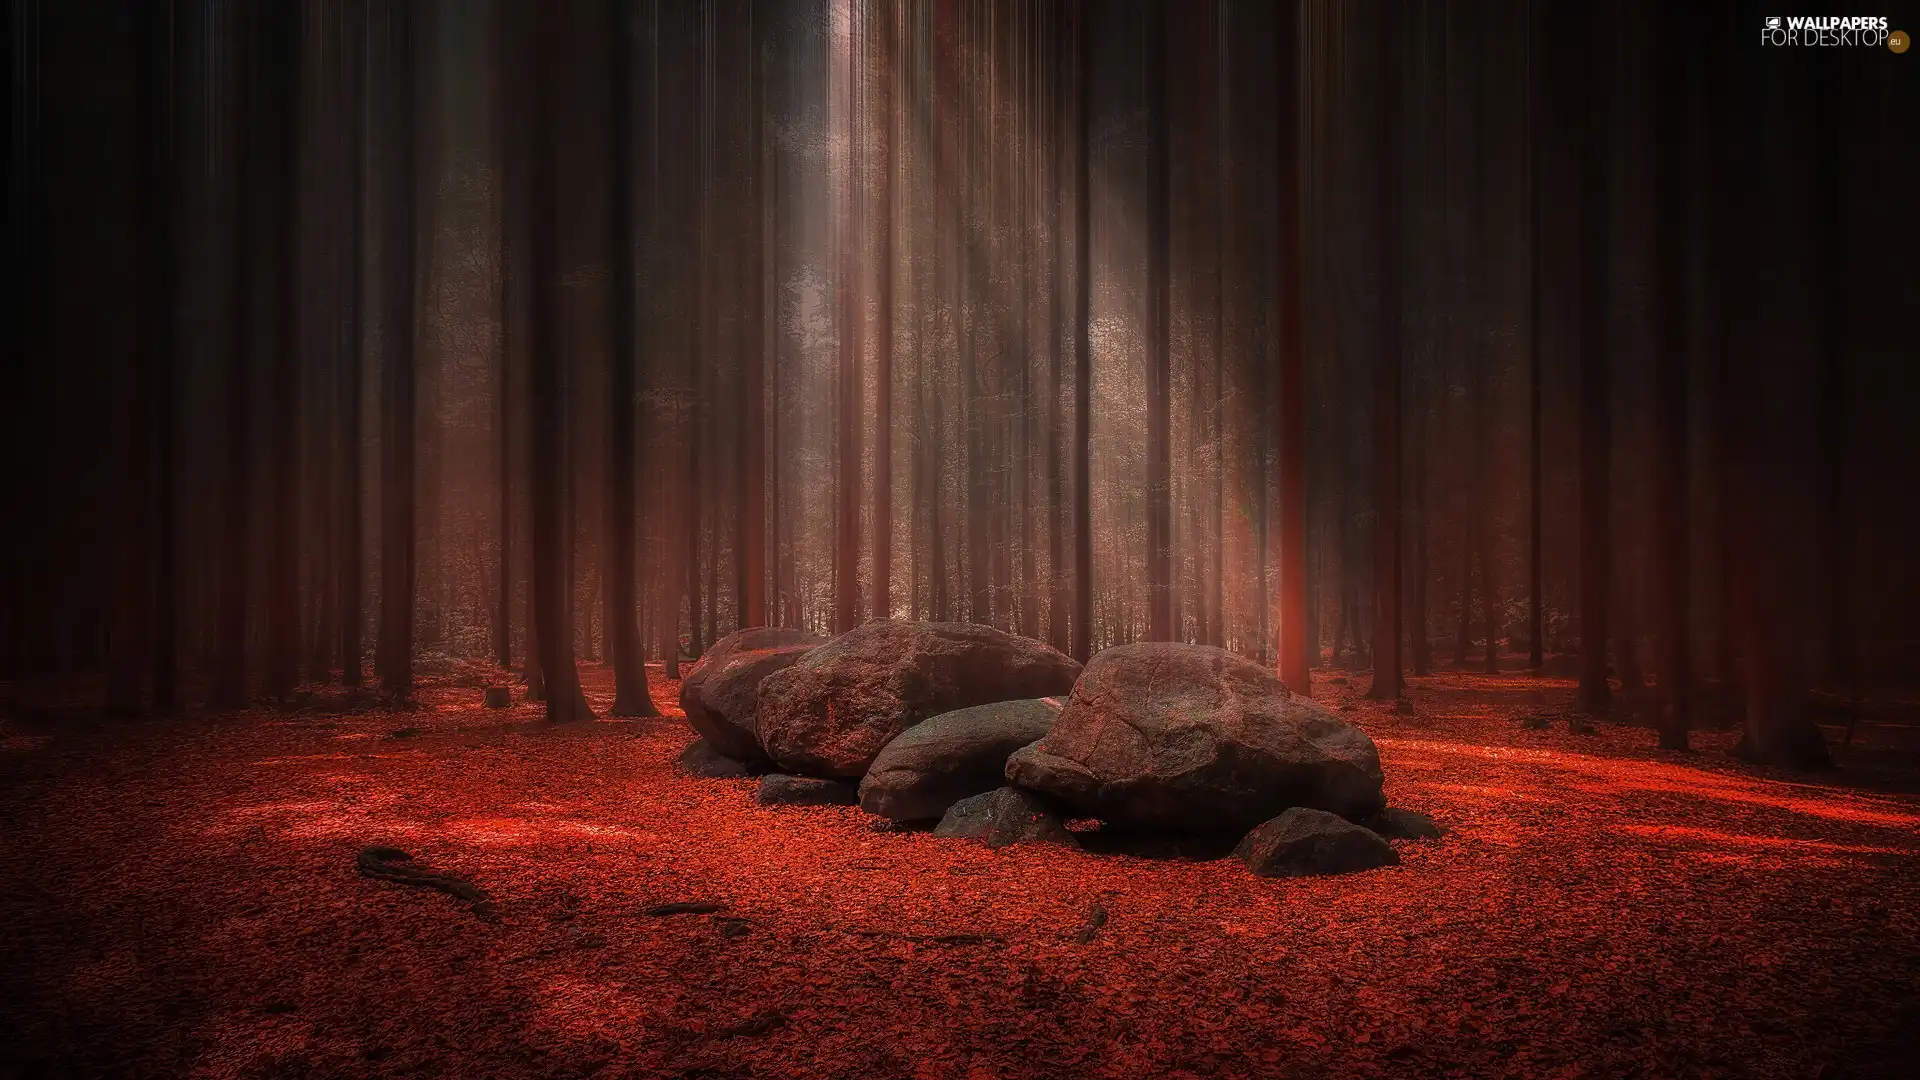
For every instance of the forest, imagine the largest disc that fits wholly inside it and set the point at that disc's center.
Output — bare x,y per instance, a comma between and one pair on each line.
539,527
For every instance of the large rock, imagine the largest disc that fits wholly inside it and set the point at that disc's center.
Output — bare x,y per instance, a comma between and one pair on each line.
1004,816
1192,737
939,761
1303,842
830,714
720,693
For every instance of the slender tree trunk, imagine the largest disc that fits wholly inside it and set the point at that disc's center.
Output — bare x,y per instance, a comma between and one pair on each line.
846,550
1536,459
753,427
397,449
160,290
228,689
1386,415
1160,335
1055,126
1083,347
148,409
280,48
347,485
630,696
553,636
698,356
883,341
1297,647
1596,445
510,167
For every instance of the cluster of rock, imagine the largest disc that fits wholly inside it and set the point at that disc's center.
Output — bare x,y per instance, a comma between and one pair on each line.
1003,739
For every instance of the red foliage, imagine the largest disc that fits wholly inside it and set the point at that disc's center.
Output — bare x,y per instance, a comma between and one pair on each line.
182,900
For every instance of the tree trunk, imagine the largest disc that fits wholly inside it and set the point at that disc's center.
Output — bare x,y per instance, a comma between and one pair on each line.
1596,446
397,449
1160,335
630,696
228,689
1536,461
752,510
279,46
846,549
1082,629
1386,389
553,635
1297,647
883,341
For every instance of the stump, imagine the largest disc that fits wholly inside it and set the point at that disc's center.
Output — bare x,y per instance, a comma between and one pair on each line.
498,697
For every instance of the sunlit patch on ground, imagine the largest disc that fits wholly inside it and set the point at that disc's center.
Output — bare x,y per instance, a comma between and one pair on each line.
191,908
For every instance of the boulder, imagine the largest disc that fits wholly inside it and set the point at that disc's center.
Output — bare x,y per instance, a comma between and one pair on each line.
939,761
832,712
1397,824
720,693
1004,816
1304,842
1191,737
779,789
701,759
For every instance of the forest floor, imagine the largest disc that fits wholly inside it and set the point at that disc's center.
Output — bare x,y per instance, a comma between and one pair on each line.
181,900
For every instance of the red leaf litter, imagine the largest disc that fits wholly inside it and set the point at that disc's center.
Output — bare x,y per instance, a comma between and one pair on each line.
181,900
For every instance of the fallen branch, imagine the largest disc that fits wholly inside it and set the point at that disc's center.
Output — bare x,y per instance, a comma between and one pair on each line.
392,864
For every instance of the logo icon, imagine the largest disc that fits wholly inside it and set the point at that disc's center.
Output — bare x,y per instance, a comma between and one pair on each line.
1898,41
1773,22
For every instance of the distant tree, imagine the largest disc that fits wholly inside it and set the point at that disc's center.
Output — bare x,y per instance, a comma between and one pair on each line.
1671,147
1386,389
1082,637
553,636
400,240
630,695
280,52
1160,626
1596,414
1297,644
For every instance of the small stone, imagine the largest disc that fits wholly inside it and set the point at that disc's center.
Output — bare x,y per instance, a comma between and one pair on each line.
1304,842
779,789
1001,817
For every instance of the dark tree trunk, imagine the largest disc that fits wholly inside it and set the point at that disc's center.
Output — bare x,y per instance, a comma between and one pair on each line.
883,342
348,571
846,539
1159,334
1386,390
1779,730
630,696
279,47
1536,461
1055,127
228,689
394,653
553,636
144,556
753,422
1297,645
1083,348
1596,443
160,291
